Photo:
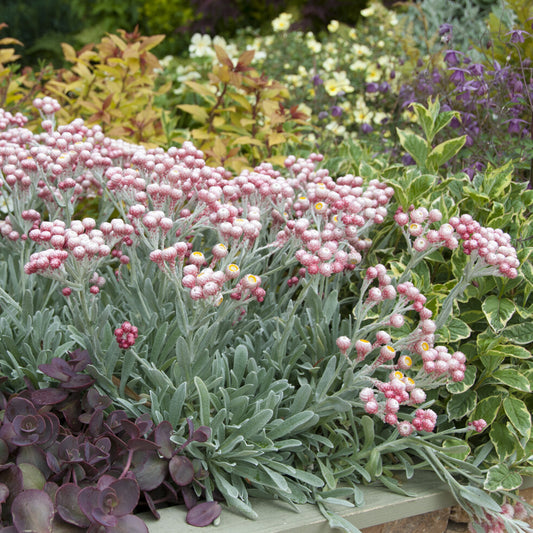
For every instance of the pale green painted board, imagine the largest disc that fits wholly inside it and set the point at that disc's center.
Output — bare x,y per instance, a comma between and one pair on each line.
381,506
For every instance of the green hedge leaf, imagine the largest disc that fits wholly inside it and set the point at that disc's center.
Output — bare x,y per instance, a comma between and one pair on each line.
518,414
498,311
499,477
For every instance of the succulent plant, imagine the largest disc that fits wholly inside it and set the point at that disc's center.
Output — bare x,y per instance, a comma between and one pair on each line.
80,466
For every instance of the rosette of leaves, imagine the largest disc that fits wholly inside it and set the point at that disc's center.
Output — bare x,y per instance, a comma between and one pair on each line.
243,116
68,462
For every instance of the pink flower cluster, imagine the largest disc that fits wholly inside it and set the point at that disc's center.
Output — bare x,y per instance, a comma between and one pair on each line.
8,120
490,248
495,523
82,243
126,335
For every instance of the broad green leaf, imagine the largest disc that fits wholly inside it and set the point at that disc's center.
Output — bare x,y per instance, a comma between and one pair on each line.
454,330
518,414
504,441
498,311
460,405
424,116
513,379
496,180
444,151
520,333
499,477
487,409
419,186
510,350
415,145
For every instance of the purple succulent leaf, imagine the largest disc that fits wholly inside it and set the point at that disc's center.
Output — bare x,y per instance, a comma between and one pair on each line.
11,475
151,505
79,359
128,524
19,406
68,507
104,445
144,423
128,493
88,500
203,514
4,492
4,451
96,423
51,489
97,400
131,429
202,434
142,444
149,469
48,396
58,369
181,470
10,529
115,419
49,435
68,449
189,497
78,382
53,463
33,510
7,433
162,434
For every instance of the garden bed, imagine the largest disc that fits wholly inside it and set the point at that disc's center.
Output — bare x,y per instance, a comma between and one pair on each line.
381,507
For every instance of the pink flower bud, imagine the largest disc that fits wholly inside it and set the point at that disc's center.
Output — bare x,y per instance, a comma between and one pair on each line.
343,343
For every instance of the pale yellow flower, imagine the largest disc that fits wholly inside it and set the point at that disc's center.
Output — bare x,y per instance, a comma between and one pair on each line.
329,64
373,74
361,50
314,46
282,22
336,129
359,65
333,26
369,11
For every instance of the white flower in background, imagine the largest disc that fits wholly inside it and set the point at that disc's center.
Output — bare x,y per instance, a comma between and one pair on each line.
333,26
165,62
380,44
359,65
6,204
269,40
200,46
329,64
220,41
379,117
336,128
361,50
314,46
393,19
282,22
386,61
331,48
259,56
369,11
352,33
